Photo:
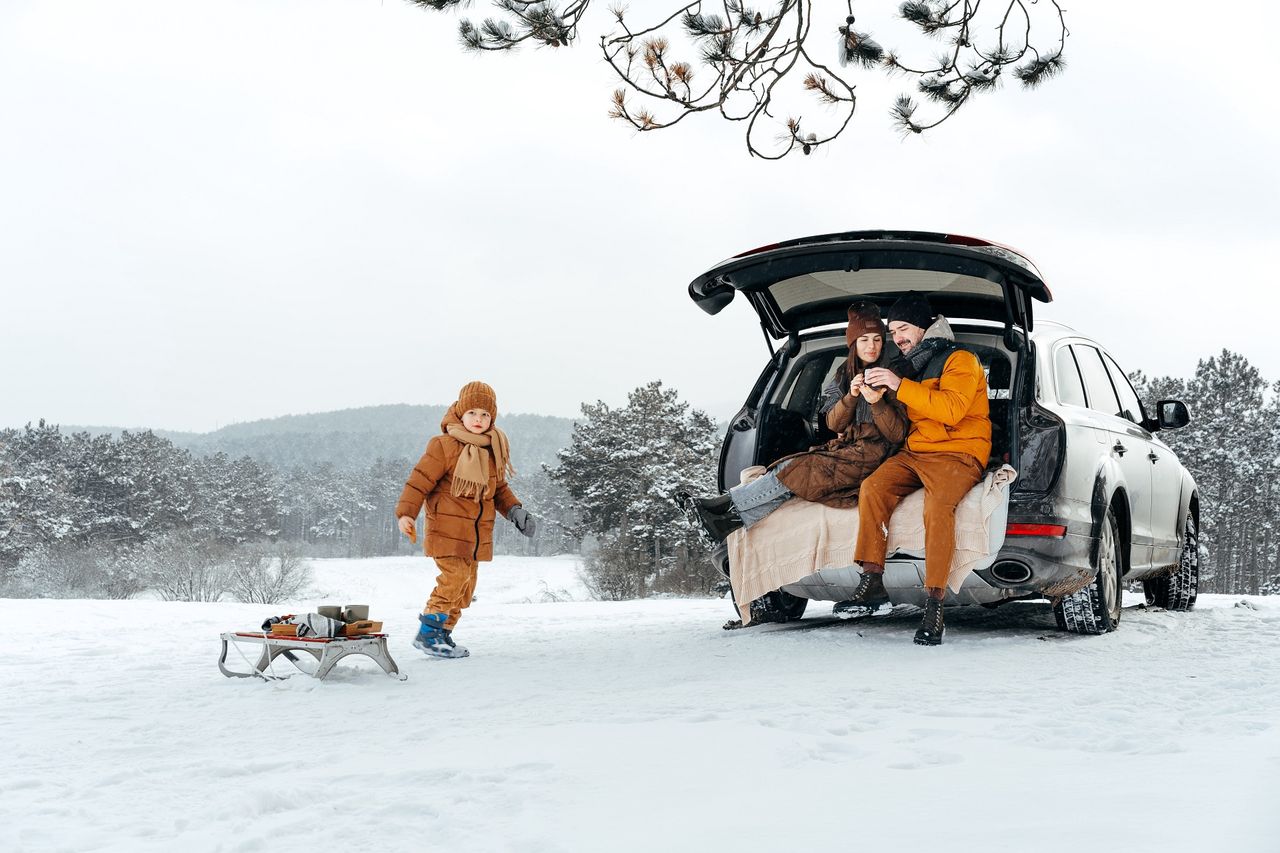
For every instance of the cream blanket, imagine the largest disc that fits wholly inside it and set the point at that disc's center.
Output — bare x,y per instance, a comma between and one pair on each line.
801,538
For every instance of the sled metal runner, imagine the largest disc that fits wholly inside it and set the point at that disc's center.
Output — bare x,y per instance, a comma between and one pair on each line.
326,650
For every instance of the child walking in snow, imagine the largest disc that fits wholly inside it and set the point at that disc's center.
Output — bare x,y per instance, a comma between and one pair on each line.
462,479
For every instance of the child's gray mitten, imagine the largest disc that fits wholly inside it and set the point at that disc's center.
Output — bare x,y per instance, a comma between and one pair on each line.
525,523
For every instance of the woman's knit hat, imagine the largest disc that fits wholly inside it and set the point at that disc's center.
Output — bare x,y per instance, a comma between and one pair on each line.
477,395
864,319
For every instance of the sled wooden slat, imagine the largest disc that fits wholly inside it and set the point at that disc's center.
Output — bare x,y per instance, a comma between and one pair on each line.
259,635
326,650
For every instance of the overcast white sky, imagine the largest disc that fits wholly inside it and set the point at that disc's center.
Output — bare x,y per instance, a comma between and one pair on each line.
219,212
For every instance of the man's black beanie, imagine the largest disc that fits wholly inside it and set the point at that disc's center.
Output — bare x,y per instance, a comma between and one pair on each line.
912,308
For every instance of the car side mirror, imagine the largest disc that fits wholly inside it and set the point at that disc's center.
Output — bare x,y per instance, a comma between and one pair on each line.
1172,414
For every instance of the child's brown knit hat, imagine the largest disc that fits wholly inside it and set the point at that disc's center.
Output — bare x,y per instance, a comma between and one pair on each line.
477,395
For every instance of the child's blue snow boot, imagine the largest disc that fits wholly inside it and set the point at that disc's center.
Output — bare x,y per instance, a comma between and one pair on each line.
434,640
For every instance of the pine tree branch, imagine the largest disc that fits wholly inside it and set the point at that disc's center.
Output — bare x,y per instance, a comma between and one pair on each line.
745,59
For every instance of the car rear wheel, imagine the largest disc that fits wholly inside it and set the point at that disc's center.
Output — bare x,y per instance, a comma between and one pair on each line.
778,606
1096,608
1177,590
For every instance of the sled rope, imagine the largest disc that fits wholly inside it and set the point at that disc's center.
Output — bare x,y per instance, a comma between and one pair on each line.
253,667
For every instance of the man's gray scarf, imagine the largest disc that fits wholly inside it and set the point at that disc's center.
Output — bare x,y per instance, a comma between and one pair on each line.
924,352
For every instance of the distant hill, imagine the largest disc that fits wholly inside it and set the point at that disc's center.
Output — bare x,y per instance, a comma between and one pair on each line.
355,438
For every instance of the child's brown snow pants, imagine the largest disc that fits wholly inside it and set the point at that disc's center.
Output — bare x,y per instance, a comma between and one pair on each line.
454,588
946,478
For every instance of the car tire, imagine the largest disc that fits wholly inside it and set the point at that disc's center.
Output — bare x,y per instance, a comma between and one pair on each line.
1178,589
1095,609
778,606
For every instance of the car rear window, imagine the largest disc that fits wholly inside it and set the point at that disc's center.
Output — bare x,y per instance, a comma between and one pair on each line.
839,286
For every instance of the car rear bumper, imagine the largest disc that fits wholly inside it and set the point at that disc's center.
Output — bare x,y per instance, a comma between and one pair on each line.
1057,567
1053,567
1061,572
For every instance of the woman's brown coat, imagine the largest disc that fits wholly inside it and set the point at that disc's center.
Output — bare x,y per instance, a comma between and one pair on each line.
456,527
833,473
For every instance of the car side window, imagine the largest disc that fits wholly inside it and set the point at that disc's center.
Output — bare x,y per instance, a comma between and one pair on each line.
1097,384
806,383
1067,377
1130,405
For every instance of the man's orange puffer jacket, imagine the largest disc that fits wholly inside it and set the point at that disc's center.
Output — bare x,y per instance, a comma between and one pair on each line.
950,414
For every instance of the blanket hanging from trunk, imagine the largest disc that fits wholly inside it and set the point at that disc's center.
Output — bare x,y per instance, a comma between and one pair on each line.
802,538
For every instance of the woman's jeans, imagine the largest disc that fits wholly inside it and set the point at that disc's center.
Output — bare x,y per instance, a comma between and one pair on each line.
761,496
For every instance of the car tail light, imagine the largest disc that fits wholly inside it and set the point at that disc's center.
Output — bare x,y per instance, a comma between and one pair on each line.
1057,531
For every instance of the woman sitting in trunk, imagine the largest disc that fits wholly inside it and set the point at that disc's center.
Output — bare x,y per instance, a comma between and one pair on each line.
870,424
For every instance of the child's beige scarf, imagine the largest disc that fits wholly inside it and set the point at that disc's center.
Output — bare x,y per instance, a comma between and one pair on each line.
471,474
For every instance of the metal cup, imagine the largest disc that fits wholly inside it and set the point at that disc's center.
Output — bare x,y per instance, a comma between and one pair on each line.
333,611
355,613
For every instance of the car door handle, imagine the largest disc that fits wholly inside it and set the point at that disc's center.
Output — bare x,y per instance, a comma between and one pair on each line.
1153,457
1119,448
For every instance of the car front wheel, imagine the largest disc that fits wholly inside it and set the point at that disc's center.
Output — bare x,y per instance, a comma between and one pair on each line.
1177,590
1096,608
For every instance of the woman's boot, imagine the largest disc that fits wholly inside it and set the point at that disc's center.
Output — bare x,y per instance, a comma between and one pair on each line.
718,516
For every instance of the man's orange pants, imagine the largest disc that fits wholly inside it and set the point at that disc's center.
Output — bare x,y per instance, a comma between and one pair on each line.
454,588
946,478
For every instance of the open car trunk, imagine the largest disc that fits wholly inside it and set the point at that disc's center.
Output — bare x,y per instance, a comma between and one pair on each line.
799,286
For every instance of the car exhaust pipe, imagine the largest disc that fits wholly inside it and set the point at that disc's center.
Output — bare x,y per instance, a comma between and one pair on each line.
1011,572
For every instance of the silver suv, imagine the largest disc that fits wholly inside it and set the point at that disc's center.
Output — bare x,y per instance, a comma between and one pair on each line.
1100,500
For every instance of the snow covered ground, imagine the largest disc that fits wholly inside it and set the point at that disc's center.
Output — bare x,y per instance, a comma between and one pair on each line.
641,726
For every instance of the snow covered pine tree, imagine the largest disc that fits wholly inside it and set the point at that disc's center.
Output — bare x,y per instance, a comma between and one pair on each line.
621,471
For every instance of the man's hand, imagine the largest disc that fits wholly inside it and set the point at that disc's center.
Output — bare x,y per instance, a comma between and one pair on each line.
525,523
883,377
406,527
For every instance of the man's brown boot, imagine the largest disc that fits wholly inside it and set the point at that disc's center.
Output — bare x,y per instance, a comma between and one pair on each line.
931,626
867,598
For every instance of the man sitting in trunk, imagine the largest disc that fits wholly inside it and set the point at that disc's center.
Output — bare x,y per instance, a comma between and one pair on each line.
946,453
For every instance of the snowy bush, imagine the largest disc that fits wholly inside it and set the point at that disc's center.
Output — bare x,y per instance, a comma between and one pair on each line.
119,576
186,567
66,570
268,573
54,572
614,571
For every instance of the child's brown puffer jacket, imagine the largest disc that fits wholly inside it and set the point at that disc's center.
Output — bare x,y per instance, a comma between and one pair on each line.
456,527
